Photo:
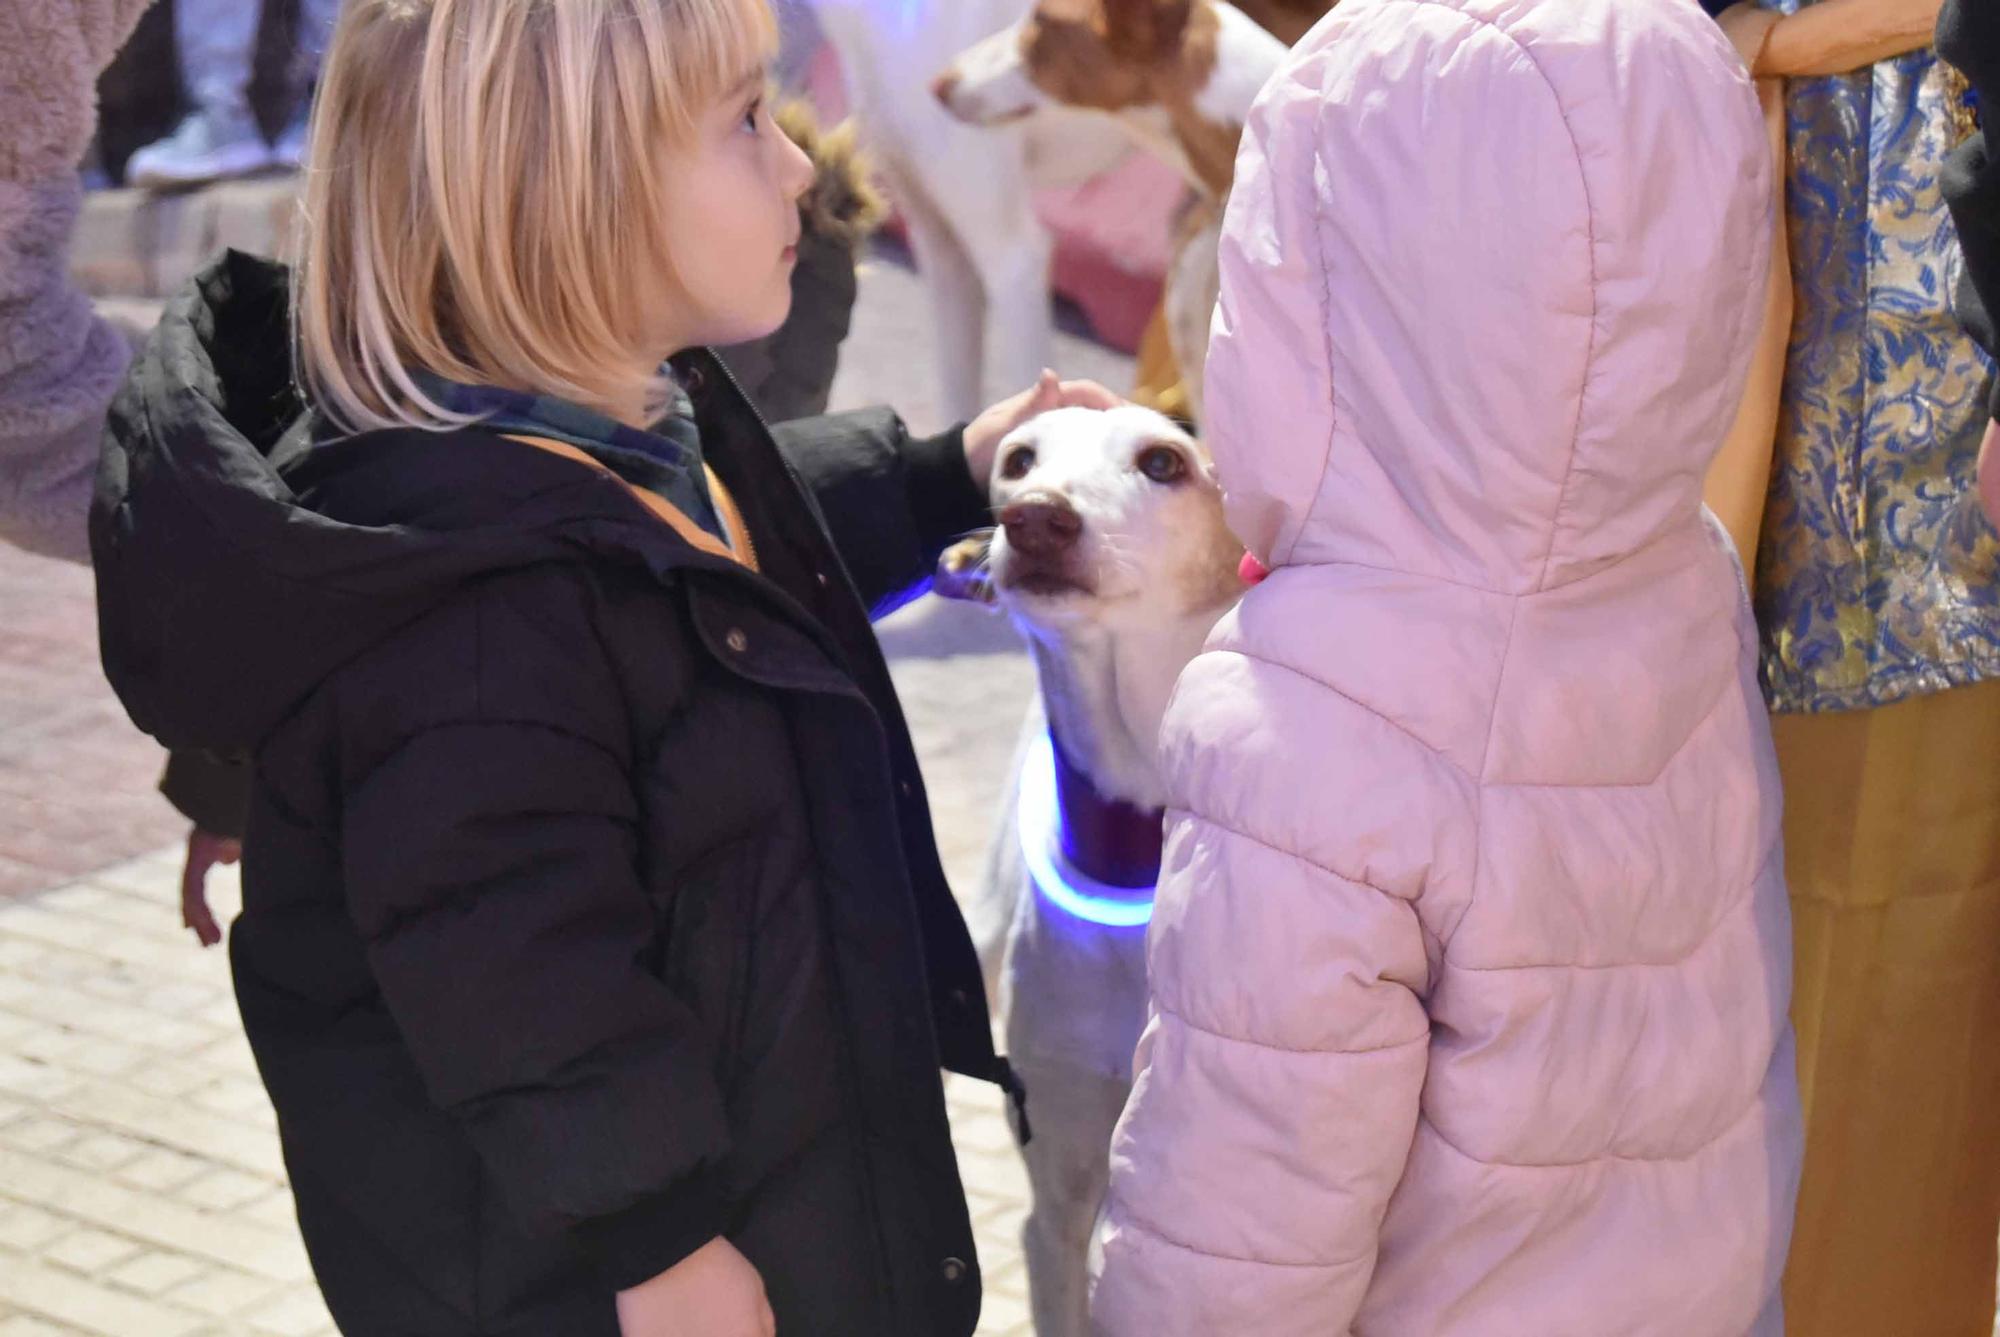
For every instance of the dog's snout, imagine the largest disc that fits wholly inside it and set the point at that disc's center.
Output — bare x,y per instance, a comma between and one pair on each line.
1041,524
944,86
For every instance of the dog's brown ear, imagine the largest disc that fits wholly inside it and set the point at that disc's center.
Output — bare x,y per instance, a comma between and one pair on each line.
1145,30
962,572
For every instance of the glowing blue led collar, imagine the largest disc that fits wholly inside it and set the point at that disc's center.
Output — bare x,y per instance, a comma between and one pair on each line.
1060,881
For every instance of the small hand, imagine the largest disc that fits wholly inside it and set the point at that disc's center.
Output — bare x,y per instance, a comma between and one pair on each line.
204,851
984,433
713,1292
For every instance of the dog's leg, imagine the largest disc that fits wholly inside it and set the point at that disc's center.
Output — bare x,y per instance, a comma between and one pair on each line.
1015,276
958,307
987,205
1075,1003
1194,281
1073,1111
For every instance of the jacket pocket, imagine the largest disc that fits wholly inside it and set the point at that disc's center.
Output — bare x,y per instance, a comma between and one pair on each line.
763,648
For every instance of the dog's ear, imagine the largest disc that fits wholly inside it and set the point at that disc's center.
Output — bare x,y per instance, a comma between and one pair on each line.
962,570
1145,31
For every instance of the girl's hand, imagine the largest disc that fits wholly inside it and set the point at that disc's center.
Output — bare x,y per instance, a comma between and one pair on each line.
204,851
713,1292
984,433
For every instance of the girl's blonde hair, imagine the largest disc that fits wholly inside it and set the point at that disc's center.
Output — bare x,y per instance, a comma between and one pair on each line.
482,194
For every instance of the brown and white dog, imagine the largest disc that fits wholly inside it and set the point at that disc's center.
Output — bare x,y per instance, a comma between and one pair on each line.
1177,76
1112,558
966,196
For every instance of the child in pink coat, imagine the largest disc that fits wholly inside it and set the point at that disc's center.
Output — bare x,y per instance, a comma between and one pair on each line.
1470,965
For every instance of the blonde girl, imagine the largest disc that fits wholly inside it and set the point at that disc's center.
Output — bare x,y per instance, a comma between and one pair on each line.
595,949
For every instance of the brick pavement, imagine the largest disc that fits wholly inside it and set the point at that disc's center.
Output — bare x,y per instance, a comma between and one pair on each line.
76,781
141,1190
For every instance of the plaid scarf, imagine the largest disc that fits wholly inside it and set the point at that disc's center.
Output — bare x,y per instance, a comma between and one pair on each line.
664,459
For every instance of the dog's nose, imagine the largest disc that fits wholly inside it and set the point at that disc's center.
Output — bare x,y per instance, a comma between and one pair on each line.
1041,524
944,86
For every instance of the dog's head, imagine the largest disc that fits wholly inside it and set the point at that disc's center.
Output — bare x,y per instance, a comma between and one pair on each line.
1180,70
1108,517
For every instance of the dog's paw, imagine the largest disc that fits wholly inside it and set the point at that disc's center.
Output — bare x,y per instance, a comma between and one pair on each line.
962,570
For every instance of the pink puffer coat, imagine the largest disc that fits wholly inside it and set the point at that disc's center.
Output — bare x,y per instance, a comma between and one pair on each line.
1472,956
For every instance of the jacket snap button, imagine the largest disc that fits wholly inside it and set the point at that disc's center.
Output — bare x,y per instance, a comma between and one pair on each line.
820,576
954,1270
736,640
904,788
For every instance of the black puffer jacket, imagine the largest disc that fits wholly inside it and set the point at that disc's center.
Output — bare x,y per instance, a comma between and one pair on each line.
591,907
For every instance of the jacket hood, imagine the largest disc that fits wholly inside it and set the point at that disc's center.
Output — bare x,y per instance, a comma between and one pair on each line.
237,566
1490,277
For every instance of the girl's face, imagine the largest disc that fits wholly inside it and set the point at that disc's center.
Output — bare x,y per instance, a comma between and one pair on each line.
732,225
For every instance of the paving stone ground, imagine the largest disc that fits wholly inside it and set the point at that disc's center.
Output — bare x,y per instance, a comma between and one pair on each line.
141,1190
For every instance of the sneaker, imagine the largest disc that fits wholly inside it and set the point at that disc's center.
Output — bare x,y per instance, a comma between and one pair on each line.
290,148
205,147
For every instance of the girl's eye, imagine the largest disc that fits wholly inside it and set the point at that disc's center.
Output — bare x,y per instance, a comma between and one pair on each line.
750,115
1019,460
1163,464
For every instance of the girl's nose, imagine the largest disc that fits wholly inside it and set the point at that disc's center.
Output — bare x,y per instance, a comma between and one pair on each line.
798,168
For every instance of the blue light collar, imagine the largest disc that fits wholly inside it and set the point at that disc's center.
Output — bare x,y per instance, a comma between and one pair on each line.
1042,808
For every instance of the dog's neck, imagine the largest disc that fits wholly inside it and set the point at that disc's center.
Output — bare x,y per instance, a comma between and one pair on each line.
1105,690
1197,130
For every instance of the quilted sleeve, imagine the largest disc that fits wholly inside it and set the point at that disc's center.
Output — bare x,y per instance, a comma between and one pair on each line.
1278,1079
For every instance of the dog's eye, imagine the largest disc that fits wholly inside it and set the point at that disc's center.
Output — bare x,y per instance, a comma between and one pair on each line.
1163,464
1019,460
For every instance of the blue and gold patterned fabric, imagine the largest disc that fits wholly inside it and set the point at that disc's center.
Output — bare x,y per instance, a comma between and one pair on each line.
1878,577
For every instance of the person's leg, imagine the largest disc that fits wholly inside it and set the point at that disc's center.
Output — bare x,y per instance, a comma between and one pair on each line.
316,20
1892,836
219,137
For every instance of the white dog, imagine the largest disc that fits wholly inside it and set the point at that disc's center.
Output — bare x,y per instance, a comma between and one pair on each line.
1113,560
965,193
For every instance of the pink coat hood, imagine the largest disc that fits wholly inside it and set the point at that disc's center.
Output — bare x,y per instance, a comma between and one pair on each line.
1472,958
